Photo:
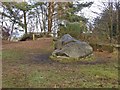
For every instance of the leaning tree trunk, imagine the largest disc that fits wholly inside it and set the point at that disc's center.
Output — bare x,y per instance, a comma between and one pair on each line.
41,26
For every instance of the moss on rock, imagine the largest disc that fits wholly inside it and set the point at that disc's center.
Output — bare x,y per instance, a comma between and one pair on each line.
64,59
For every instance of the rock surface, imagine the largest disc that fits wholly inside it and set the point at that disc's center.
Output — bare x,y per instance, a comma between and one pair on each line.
69,47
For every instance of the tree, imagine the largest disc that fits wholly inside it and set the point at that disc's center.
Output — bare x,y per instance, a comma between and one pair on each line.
50,14
24,7
11,13
73,24
108,22
117,6
14,9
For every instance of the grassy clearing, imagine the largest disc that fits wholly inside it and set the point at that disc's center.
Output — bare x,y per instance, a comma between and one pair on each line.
20,69
83,77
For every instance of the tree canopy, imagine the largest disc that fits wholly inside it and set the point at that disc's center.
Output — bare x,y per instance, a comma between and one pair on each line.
46,15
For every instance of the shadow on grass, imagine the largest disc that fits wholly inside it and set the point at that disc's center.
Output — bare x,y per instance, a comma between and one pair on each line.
44,58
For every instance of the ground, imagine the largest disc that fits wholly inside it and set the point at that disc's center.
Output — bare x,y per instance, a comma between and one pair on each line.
27,64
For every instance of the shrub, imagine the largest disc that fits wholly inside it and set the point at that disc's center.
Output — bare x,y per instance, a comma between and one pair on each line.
27,37
44,34
48,35
73,29
102,47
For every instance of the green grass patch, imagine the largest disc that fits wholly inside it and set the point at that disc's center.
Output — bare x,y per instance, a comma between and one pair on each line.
0,54
12,55
101,71
81,76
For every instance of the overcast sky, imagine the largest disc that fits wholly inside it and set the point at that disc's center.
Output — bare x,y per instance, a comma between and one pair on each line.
96,7
87,12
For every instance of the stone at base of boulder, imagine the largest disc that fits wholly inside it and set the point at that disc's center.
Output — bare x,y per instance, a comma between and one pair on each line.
63,59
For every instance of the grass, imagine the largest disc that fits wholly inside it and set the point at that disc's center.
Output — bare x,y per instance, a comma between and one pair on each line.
84,76
12,55
21,71
0,54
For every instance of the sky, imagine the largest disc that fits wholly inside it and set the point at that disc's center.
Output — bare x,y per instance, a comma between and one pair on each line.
95,7
87,12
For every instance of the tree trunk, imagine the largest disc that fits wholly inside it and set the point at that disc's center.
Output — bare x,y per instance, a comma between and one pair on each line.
25,23
119,22
11,31
50,14
110,4
42,26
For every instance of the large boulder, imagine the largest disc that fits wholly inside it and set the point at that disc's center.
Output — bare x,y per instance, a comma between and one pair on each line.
69,47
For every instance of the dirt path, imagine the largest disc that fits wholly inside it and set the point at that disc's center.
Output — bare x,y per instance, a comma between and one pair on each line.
42,43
